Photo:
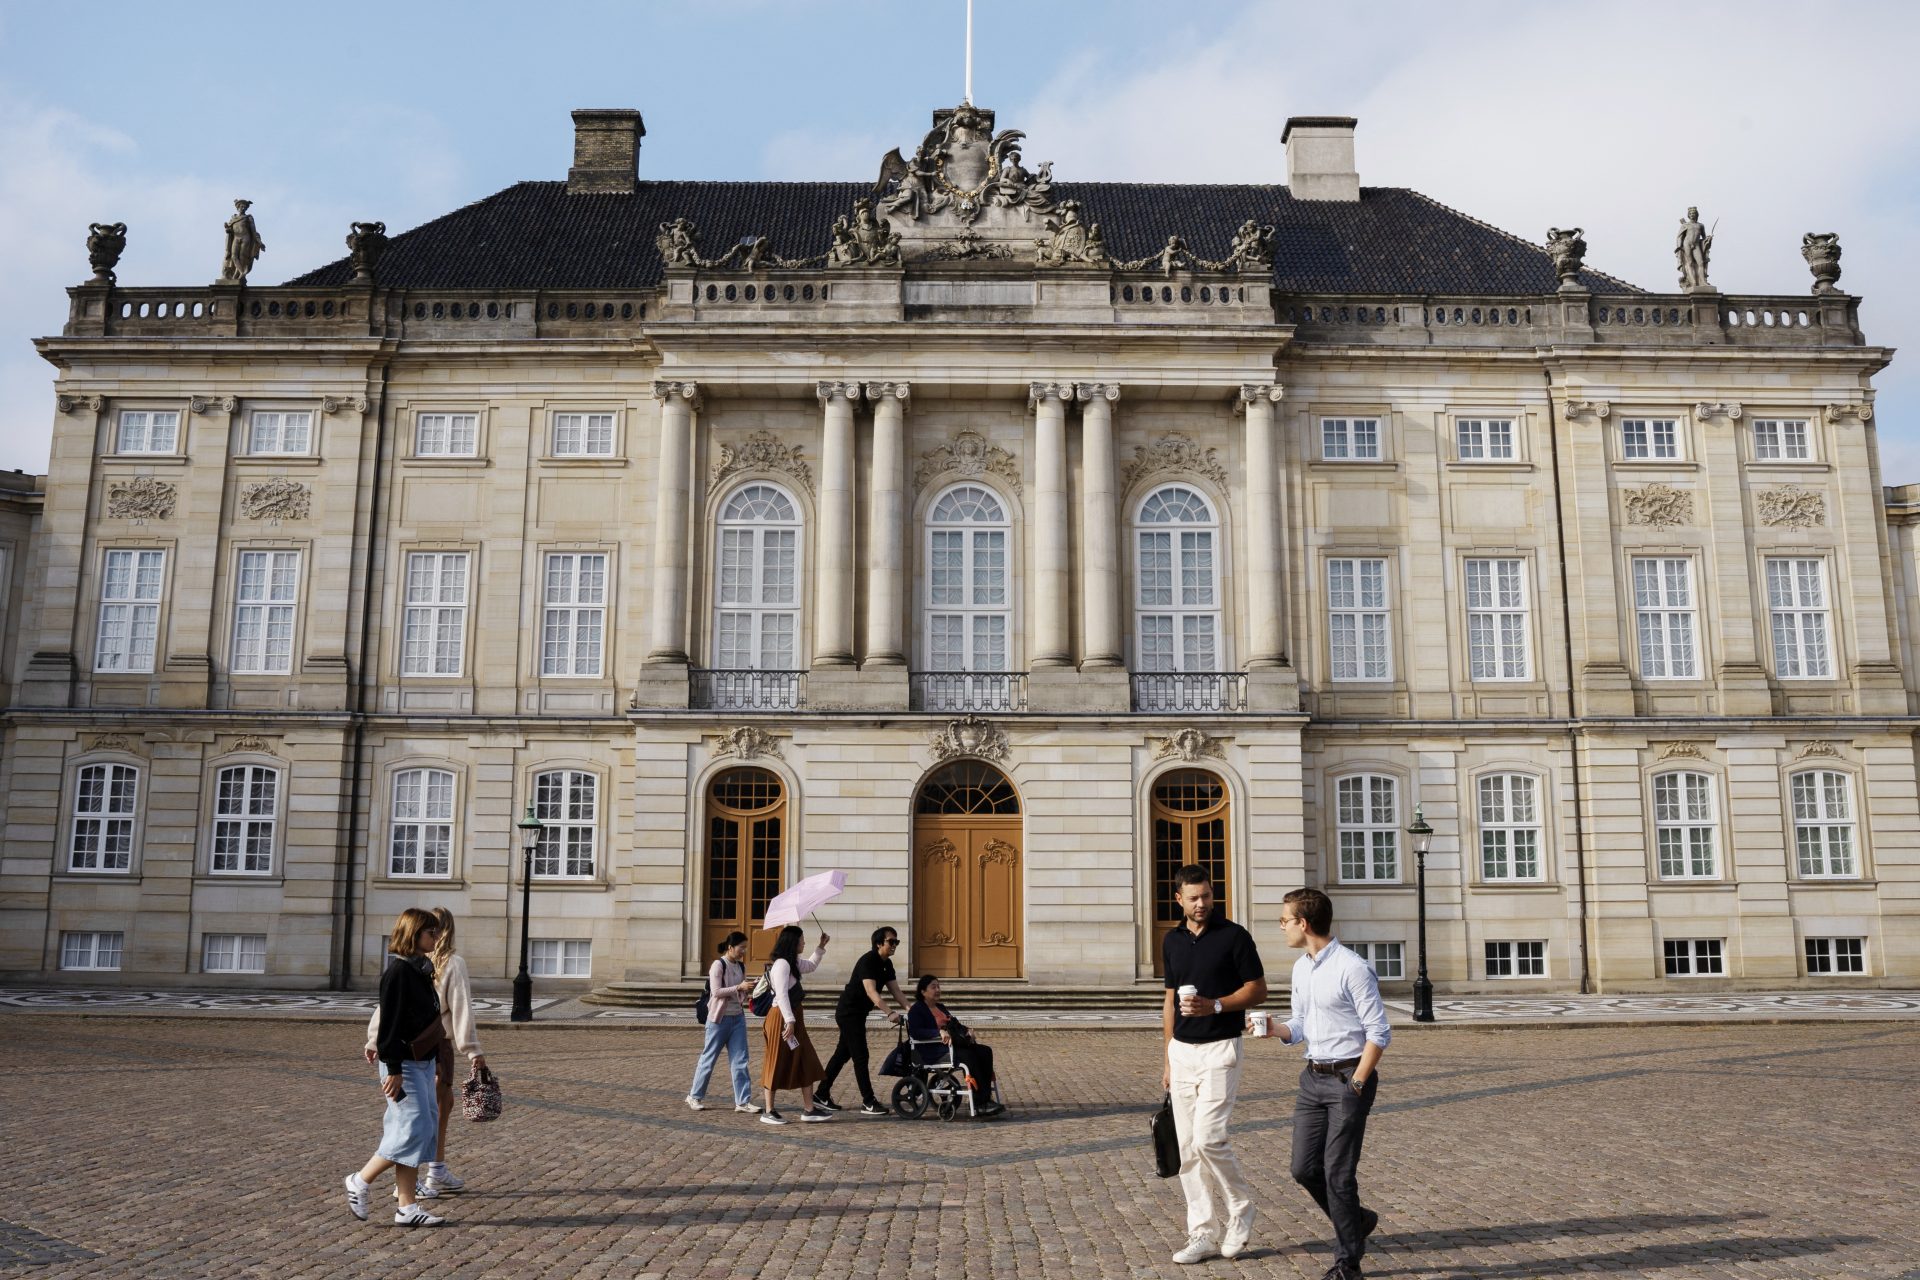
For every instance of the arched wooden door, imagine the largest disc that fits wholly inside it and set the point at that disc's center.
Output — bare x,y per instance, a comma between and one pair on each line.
746,860
968,874
1189,823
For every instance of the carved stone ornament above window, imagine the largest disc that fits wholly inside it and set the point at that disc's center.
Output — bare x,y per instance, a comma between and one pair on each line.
1730,410
1791,506
75,404
761,451
1660,506
275,499
252,743
968,455
970,736
112,742
1189,745
208,404
334,404
1818,748
141,498
1599,409
1173,453
1687,750
747,743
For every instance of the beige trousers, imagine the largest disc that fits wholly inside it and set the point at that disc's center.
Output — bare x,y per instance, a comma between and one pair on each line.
1205,1079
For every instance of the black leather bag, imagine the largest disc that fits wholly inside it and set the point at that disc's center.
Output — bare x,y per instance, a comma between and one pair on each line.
1166,1141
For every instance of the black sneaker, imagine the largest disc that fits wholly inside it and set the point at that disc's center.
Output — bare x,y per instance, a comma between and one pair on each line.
825,1103
1368,1221
873,1109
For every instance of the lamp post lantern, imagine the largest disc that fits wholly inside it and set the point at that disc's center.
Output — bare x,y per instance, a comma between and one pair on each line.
529,828
1422,987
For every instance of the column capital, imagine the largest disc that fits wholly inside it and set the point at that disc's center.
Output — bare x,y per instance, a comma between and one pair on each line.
208,404
1730,410
1252,392
75,404
1599,410
828,391
1039,391
1088,392
688,391
901,391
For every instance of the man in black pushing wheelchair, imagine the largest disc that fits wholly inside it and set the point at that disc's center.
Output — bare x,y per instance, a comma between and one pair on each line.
942,1064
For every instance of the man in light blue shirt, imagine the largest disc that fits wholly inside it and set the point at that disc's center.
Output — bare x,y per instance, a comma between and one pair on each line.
1338,1017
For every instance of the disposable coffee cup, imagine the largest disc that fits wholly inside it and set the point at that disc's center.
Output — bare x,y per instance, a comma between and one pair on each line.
1186,992
1257,1023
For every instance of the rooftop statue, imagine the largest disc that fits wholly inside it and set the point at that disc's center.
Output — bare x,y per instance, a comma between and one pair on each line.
1569,250
863,240
1070,241
366,241
244,245
1691,249
964,166
677,243
106,241
1822,252
1252,250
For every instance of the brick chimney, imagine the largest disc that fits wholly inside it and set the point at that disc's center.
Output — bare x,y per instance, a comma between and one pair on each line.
606,151
1320,158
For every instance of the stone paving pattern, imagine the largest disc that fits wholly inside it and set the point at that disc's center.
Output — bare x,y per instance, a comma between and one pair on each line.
177,1147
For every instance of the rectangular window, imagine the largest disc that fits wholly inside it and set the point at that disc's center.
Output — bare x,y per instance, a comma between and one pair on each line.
1823,823
560,958
1780,440
1516,959
1509,827
1484,439
1685,833
263,604
1366,814
1497,620
91,950
287,433
422,839
583,435
1695,957
1797,602
1836,955
148,431
573,627
567,804
246,807
1650,439
129,610
1357,619
446,435
434,630
1350,439
1387,958
104,798
1663,609
233,953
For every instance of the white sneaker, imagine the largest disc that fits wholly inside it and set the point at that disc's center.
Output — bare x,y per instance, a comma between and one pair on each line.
814,1117
773,1117
750,1108
356,1196
437,1177
414,1215
1235,1244
1199,1248
694,1104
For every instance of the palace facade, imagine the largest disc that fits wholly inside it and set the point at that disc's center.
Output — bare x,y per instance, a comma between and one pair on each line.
1004,541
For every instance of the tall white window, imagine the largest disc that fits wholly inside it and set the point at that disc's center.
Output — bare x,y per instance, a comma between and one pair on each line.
1509,827
582,435
147,431
1836,955
1664,612
434,631
1516,959
1823,823
1357,619
1694,957
104,799
1686,835
1367,826
446,435
422,839
246,809
91,950
573,625
1350,439
279,432
1176,583
1649,439
560,958
233,953
567,803
263,605
1497,619
129,610
1387,958
756,621
1780,440
1484,439
1797,601
968,601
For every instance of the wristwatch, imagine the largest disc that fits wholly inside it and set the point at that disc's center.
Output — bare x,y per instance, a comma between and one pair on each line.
1217,1009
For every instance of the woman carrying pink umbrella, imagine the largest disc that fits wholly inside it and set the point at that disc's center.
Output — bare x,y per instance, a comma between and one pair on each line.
791,1062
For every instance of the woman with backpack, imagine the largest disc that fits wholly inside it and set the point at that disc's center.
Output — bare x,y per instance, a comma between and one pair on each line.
727,987
791,1062
406,1042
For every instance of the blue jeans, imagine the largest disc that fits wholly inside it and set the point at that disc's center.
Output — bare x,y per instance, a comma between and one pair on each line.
730,1034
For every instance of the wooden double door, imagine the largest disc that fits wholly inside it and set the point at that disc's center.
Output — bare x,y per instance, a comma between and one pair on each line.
968,874
1189,822
746,817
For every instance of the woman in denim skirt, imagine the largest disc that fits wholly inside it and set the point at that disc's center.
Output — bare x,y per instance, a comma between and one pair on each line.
406,1045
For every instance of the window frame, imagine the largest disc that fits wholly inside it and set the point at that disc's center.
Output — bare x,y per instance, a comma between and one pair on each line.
1833,958
586,429
1368,951
419,414
437,623
1686,825
971,612
239,952
1511,826
1349,437
1360,613
1667,610
1370,829
1780,441
575,607
1495,613
420,823
1797,614
1513,959
1690,954
1651,443
564,951
134,605
267,605
761,537
75,816
562,854
1825,822
94,950
173,449
253,448
246,822
1178,612
1484,424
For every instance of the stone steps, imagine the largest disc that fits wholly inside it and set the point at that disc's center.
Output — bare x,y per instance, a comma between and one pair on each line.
979,995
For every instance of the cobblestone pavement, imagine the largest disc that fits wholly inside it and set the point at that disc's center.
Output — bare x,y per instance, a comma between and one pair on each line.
177,1147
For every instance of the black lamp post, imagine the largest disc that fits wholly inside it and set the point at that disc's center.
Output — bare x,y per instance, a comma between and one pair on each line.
530,828
1422,988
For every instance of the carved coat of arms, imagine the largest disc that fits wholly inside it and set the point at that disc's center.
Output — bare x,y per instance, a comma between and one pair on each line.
964,166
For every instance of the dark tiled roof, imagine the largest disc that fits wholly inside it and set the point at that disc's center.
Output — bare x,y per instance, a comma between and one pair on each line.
534,235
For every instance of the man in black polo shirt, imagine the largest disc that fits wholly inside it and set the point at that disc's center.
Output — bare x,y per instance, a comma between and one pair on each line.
860,997
1217,963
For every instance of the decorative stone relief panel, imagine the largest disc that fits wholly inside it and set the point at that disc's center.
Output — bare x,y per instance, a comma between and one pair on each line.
968,455
1818,748
1189,745
969,736
253,743
141,498
275,499
747,743
761,451
1173,453
112,742
1791,506
1660,506
1687,750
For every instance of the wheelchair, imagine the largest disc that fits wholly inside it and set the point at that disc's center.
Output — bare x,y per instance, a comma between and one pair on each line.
945,1087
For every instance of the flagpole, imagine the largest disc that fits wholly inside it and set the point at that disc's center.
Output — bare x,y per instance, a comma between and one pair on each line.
969,94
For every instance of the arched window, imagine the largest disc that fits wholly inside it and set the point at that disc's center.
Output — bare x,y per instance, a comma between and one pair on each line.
1823,823
567,803
1367,825
246,809
1176,583
968,617
421,843
1684,827
1509,827
104,799
756,621
968,787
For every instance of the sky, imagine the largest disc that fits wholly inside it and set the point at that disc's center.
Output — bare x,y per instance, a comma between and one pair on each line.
1613,117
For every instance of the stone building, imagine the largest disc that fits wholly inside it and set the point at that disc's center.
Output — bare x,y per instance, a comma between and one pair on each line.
1005,541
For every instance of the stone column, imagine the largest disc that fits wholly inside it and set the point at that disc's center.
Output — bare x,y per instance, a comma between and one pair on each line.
1052,572
1099,530
833,561
886,551
678,401
1266,631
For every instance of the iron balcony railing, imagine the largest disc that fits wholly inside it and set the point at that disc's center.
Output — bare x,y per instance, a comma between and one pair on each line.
728,689
968,690
1190,691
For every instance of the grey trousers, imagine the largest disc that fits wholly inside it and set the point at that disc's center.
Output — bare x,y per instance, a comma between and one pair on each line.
1329,1124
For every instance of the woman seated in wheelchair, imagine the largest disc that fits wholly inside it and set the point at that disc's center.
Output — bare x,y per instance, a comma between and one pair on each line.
932,1022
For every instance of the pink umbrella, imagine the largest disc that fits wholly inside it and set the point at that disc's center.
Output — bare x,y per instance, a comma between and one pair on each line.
804,898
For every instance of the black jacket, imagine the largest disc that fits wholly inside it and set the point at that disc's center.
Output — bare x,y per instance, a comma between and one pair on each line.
408,1006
